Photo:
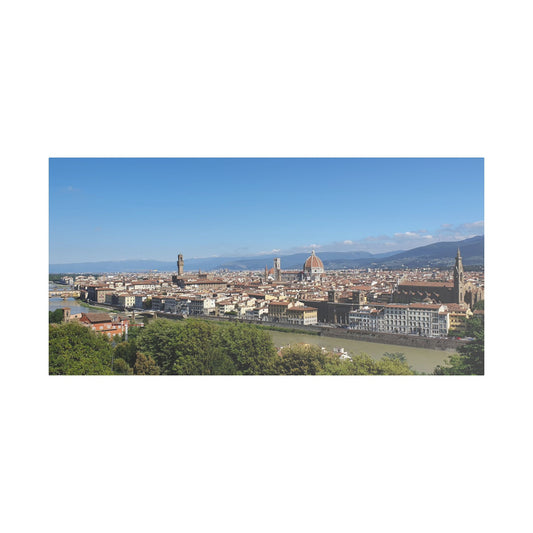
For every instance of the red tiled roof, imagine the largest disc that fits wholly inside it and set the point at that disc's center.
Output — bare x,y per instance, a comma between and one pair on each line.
313,262
96,317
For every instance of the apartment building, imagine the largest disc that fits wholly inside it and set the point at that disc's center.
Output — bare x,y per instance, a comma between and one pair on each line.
201,306
301,315
158,303
126,300
459,314
429,320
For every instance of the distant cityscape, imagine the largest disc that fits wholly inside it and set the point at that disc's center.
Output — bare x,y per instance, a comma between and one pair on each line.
423,302
266,266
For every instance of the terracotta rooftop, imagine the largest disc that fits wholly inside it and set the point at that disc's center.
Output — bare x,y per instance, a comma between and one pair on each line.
97,317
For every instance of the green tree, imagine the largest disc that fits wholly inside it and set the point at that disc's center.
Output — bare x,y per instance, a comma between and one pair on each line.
395,356
145,366
127,351
251,349
475,326
160,340
470,359
184,347
311,360
479,305
120,367
147,304
300,359
199,351
77,350
55,317
392,367
364,365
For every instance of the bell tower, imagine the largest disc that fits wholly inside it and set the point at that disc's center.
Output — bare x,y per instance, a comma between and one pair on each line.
277,268
458,280
180,265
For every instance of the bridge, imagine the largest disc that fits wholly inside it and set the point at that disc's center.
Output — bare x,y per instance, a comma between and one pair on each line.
64,294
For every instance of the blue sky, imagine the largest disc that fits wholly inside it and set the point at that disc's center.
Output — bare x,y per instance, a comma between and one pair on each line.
114,209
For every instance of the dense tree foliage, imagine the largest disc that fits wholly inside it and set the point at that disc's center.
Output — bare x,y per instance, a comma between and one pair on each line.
77,350
479,305
120,367
194,347
127,351
470,359
197,347
395,356
250,349
55,317
145,366
311,360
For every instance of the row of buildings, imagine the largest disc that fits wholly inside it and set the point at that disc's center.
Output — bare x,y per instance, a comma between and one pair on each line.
356,299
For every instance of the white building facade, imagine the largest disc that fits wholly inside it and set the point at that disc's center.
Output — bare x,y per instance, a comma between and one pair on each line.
428,320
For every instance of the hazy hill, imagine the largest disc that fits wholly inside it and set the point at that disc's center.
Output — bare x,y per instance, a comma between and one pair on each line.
439,254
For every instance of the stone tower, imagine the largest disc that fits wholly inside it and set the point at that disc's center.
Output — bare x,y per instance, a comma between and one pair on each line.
277,268
358,298
180,265
458,280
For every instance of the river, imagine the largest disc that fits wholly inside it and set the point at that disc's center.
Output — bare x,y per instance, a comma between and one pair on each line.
419,359
75,308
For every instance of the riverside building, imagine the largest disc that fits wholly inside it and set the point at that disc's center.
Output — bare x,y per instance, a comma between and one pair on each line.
428,320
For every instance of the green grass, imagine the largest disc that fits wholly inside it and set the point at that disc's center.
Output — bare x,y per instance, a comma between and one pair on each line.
84,304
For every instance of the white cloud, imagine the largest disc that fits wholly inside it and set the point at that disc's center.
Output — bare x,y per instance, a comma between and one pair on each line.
274,251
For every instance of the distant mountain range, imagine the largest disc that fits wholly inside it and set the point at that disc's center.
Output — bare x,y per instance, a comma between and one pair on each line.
440,254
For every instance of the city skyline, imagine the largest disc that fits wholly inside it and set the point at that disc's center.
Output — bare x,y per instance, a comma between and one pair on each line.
152,208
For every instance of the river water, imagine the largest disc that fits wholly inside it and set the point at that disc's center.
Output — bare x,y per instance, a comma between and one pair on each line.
419,359
75,308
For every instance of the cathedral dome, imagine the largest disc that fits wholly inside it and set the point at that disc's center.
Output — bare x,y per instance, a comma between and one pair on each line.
312,263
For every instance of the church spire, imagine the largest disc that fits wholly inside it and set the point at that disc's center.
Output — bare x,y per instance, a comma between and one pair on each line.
458,279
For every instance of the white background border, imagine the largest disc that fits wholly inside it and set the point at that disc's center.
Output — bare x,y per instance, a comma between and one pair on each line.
309,79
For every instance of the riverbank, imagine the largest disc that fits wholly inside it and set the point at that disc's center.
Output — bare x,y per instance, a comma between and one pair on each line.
92,307
414,341
422,360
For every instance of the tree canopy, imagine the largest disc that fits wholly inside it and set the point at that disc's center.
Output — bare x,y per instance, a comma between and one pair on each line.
55,317
470,359
311,360
77,350
199,347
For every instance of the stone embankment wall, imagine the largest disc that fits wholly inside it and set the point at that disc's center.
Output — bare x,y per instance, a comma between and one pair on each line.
382,338
431,343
